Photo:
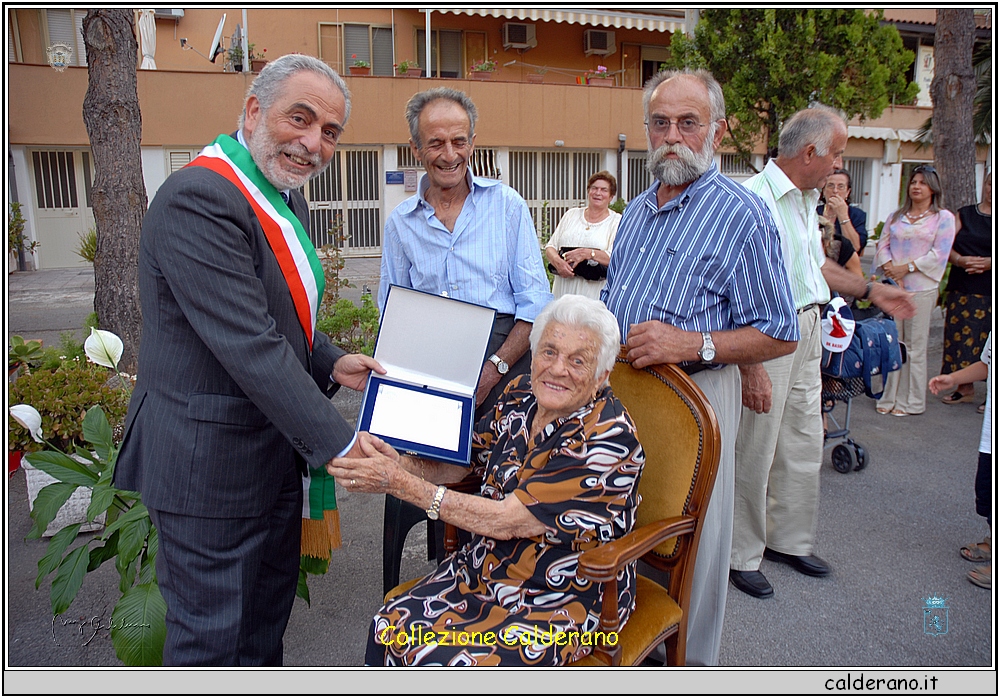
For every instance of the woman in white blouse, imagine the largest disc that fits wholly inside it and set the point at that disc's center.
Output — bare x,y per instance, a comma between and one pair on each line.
591,231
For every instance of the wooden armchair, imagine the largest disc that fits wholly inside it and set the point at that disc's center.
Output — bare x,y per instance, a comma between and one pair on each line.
680,436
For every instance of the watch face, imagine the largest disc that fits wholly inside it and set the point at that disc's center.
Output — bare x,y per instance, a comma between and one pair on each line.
707,354
432,515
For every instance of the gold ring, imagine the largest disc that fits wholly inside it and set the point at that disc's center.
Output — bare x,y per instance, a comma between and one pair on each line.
353,483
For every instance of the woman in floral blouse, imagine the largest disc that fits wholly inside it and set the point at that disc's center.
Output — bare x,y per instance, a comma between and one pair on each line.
560,465
913,251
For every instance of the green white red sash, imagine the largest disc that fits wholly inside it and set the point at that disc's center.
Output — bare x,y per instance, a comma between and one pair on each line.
303,273
285,234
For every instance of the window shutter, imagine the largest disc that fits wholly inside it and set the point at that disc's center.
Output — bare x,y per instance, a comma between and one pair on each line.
451,54
356,43
178,159
381,51
81,48
65,28
11,50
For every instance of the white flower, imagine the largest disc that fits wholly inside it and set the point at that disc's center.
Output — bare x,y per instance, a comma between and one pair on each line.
103,348
28,417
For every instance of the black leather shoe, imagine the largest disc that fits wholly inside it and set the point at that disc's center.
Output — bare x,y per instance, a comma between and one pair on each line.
806,564
751,582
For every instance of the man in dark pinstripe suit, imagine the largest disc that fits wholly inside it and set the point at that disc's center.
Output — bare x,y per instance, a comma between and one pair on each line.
232,399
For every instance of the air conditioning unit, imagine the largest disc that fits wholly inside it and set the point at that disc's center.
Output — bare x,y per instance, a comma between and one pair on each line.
598,42
521,36
167,13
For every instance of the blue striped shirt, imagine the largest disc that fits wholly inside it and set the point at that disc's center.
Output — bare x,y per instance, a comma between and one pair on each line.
708,260
492,258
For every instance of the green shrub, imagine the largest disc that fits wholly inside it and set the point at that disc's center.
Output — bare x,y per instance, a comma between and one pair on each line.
62,396
350,327
88,245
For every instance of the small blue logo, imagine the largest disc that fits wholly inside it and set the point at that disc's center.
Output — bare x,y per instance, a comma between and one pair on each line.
935,616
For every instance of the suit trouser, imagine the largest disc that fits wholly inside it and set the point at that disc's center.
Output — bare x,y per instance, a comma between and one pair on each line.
778,457
710,581
229,584
906,389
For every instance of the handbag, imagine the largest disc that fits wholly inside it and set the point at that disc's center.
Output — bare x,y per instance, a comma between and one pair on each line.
589,269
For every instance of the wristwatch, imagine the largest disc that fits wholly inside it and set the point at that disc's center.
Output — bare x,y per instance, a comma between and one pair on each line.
501,365
910,267
434,513
707,352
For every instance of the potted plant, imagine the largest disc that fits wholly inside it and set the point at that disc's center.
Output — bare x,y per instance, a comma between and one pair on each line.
139,628
483,70
359,66
63,386
17,244
409,69
257,60
600,77
234,56
537,75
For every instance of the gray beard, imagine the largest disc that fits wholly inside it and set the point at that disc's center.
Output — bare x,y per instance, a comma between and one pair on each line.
266,151
688,167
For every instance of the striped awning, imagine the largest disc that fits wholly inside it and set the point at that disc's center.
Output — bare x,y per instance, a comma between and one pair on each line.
883,133
625,20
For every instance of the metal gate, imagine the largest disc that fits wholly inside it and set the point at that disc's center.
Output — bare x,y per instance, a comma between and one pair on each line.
552,182
358,173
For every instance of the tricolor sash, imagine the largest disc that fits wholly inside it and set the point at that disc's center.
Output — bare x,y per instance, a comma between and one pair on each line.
303,272
289,241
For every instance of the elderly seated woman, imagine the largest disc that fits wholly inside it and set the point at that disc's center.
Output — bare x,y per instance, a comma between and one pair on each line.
560,467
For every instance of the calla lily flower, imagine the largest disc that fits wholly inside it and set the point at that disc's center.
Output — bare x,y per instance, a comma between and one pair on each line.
103,348
28,417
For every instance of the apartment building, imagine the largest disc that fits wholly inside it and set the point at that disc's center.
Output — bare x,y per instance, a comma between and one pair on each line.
545,124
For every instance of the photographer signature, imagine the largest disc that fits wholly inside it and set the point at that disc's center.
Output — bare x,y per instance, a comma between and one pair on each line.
96,624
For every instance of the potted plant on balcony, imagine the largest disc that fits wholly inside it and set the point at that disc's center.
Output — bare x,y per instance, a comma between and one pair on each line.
359,66
600,77
234,56
484,70
409,69
257,60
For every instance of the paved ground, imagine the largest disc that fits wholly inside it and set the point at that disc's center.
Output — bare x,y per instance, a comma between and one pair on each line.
891,533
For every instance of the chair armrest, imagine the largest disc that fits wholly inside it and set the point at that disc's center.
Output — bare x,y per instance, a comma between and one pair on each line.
601,564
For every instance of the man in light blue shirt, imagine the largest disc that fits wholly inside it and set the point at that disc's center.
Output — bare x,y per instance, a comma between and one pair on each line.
466,237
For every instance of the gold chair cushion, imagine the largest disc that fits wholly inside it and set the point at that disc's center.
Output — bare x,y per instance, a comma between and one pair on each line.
670,435
654,613
401,589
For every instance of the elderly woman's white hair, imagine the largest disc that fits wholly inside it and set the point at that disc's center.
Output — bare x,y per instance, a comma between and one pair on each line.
580,311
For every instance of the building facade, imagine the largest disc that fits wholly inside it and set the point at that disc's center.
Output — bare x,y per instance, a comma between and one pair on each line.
546,121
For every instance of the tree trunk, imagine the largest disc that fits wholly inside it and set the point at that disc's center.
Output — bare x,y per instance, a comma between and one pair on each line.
114,125
952,91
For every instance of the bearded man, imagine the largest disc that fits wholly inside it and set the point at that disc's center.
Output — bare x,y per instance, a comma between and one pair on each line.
232,400
697,279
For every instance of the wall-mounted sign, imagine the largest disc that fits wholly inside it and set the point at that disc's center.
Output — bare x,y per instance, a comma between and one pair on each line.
925,74
395,177
410,180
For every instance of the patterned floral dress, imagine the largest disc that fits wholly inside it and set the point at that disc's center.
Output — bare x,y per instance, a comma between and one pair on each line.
505,602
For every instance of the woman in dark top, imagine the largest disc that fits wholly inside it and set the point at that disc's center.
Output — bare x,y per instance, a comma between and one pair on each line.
969,294
848,221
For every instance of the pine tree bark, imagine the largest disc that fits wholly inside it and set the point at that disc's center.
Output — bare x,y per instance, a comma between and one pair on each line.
114,125
952,91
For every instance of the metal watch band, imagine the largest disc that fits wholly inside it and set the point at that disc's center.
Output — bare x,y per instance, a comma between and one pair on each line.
435,510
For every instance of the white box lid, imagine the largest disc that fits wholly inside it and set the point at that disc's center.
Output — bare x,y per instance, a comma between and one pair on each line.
432,340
